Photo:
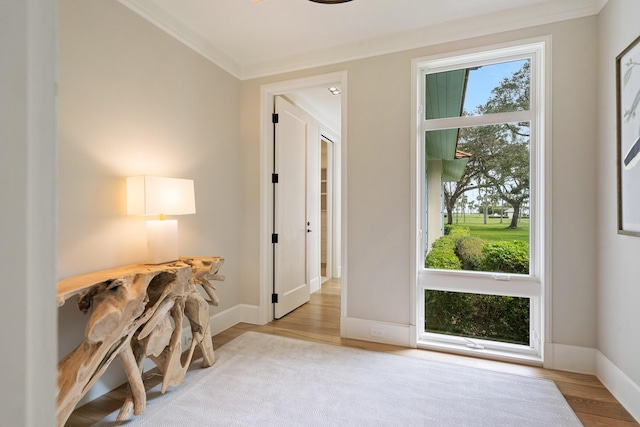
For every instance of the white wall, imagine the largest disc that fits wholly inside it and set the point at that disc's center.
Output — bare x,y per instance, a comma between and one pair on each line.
378,176
28,200
618,255
133,101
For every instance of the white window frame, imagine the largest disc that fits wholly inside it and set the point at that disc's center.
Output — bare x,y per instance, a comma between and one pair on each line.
536,285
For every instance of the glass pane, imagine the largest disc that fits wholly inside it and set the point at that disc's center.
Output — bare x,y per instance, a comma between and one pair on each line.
488,89
489,317
477,209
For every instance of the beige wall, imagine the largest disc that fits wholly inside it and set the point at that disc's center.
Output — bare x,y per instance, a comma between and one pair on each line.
378,177
28,200
133,101
618,280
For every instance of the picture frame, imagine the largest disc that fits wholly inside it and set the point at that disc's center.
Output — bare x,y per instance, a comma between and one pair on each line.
628,138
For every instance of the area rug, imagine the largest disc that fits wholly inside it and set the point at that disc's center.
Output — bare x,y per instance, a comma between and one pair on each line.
265,380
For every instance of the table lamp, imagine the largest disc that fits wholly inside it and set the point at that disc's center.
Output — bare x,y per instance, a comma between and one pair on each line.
154,195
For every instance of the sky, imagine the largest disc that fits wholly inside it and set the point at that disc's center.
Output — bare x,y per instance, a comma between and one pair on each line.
484,79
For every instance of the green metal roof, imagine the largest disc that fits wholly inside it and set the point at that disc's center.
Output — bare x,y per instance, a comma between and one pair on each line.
444,94
444,97
452,170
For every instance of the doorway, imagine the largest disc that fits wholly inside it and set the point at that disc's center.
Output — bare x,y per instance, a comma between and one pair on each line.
297,91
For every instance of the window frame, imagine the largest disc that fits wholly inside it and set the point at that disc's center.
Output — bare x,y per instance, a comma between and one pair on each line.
536,285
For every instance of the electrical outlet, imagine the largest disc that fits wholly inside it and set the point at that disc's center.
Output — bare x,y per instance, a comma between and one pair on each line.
376,332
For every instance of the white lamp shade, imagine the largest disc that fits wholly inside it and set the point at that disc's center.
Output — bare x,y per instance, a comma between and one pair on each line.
154,195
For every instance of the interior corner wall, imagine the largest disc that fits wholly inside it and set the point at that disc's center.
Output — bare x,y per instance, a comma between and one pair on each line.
28,195
618,280
378,177
135,101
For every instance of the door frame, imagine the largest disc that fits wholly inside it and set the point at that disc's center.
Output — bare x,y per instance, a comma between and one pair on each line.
268,92
333,227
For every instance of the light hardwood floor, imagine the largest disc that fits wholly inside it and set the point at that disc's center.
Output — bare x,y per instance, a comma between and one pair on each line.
319,321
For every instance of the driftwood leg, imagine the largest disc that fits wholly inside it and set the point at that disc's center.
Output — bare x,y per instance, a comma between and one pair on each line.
197,311
127,408
136,385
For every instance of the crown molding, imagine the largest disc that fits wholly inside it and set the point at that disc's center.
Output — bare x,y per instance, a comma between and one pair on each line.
167,23
513,19
601,4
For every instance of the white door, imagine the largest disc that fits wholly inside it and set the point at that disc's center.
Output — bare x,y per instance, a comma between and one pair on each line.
290,287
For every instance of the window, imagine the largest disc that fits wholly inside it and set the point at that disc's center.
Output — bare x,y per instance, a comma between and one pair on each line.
479,218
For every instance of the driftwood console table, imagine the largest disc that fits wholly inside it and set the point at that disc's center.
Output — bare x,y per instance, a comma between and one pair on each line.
137,312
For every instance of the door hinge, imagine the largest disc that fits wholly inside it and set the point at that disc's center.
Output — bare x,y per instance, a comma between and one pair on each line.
274,298
274,118
274,178
274,238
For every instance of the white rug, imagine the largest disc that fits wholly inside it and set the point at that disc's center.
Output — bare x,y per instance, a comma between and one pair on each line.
265,380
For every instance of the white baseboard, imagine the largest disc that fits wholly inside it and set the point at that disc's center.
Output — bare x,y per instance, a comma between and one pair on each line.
370,330
232,316
620,385
570,358
314,284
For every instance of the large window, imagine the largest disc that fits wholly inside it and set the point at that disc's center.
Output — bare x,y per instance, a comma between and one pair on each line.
480,201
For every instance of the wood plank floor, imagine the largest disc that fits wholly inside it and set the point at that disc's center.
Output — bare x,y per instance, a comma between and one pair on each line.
319,321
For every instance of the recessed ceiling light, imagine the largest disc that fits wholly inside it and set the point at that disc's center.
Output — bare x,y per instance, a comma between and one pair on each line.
334,90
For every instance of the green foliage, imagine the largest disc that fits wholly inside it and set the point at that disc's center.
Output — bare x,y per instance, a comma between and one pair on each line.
443,258
443,250
444,242
506,257
494,317
458,231
469,251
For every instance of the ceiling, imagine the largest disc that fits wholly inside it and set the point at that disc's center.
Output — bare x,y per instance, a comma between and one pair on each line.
252,39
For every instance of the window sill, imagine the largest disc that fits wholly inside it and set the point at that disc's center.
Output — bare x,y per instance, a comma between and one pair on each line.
493,354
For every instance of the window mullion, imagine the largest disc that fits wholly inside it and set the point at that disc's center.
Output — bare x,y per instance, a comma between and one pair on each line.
469,121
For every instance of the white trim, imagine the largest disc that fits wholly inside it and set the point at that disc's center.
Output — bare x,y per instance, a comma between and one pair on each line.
620,385
267,94
314,284
241,313
484,353
546,118
471,121
167,23
391,333
539,50
600,5
473,27
570,358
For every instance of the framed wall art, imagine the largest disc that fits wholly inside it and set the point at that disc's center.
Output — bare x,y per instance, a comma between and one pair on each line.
628,118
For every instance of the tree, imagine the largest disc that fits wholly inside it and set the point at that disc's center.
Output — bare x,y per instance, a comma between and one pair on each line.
454,190
500,153
507,171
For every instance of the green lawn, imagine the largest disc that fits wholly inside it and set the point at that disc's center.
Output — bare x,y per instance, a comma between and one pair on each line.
493,230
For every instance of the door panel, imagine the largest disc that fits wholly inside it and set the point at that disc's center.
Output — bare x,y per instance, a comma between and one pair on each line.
290,253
